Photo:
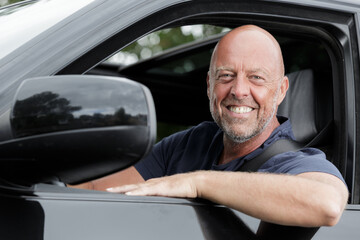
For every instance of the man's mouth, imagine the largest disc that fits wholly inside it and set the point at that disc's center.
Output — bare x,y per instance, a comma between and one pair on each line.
240,110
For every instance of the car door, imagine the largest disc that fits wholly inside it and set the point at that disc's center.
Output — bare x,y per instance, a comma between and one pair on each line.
97,30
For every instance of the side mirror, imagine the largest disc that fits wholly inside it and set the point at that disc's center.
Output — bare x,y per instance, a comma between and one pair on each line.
75,128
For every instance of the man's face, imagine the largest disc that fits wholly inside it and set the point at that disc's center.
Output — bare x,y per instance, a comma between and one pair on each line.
244,84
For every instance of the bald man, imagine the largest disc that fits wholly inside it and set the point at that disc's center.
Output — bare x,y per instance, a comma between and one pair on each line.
245,86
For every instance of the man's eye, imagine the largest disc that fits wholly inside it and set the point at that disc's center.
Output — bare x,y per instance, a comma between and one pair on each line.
256,78
225,76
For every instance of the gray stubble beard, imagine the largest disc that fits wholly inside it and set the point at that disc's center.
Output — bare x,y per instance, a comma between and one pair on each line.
243,138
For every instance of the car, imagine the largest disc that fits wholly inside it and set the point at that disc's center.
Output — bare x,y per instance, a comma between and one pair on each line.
73,108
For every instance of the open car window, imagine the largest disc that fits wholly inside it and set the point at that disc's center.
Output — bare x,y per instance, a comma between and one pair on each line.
174,63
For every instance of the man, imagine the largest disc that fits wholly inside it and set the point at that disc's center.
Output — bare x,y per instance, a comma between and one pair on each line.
245,85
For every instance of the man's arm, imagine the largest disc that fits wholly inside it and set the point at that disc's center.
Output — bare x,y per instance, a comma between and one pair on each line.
127,176
308,199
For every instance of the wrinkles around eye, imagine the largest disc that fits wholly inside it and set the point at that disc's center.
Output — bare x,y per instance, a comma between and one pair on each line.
225,77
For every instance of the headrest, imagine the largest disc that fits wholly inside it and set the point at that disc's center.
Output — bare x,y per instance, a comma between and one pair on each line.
300,105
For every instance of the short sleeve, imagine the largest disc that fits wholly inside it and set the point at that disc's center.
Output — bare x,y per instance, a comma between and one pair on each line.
156,163
305,160
181,152
153,164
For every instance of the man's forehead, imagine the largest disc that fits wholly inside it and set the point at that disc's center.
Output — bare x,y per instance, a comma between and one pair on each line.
258,48
249,40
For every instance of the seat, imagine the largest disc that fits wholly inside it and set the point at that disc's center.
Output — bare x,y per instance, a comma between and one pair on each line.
310,117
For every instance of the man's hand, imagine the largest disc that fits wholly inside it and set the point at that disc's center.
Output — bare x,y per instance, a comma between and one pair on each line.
179,185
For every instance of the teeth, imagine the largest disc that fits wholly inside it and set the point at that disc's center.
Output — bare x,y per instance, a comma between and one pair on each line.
240,109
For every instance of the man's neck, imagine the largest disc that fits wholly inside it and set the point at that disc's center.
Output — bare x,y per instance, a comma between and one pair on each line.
233,150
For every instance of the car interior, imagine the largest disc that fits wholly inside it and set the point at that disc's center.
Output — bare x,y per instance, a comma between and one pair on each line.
180,94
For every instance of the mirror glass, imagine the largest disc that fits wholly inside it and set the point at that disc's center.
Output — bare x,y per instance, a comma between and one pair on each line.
44,105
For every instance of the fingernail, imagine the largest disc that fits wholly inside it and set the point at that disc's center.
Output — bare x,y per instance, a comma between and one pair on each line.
128,193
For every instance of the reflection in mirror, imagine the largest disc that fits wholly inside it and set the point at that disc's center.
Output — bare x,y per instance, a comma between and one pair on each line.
60,104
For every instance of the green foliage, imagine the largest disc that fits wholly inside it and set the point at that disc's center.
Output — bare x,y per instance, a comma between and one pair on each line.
14,1
169,38
7,2
157,42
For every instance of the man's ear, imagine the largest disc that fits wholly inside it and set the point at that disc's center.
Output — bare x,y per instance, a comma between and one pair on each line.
283,89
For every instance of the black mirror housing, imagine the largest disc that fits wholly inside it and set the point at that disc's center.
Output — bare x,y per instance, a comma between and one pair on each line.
75,128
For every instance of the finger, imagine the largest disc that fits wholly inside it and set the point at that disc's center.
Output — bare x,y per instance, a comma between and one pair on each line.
139,192
122,189
152,189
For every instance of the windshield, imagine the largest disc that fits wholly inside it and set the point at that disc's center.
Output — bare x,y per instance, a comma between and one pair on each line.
23,22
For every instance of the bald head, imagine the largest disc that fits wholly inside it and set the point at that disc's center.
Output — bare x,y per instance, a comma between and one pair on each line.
255,38
246,84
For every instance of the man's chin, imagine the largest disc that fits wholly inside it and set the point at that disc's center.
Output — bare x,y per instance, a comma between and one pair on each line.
238,136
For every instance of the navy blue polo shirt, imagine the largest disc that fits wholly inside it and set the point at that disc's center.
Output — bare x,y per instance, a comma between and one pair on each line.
199,148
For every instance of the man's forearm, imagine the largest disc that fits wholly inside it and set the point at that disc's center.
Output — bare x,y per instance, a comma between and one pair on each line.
311,199
282,199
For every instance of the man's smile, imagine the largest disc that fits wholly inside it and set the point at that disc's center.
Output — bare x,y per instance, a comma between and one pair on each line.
239,109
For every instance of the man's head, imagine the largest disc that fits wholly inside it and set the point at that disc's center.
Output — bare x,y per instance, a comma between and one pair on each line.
246,82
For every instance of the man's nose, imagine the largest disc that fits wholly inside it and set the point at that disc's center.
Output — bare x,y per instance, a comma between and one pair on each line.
240,87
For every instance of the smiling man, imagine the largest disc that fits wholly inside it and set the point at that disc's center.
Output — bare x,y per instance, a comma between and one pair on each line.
245,85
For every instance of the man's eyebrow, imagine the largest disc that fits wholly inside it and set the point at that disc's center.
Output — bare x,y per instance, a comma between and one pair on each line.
223,68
